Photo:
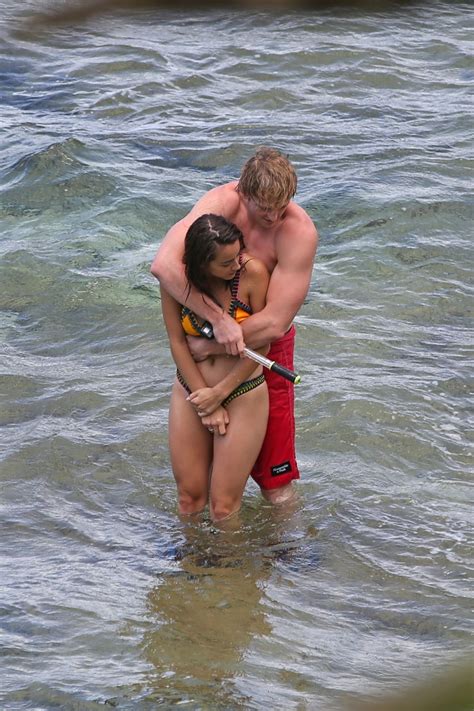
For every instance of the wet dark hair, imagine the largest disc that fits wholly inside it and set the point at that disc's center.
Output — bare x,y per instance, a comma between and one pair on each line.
200,248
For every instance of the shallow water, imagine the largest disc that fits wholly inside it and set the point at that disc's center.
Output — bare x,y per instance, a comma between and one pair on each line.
110,132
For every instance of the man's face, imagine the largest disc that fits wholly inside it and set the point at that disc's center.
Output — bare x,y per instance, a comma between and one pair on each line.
266,216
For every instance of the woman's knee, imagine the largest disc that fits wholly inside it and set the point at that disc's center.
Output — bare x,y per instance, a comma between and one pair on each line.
224,508
191,502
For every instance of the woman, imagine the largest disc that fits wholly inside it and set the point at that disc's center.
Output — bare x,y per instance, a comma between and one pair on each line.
219,406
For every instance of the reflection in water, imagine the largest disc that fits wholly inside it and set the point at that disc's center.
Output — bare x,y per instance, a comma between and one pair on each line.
212,607
207,614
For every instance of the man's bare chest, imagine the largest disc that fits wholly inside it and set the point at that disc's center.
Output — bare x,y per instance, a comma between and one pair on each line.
261,246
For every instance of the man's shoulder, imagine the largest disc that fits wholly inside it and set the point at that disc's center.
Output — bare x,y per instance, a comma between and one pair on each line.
230,187
223,200
224,189
297,238
297,219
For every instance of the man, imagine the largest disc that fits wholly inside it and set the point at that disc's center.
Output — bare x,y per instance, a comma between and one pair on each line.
282,235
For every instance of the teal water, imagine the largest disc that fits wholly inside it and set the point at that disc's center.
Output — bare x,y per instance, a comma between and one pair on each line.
110,131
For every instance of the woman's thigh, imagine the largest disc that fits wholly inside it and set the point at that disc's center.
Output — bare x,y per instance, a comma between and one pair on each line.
236,451
190,444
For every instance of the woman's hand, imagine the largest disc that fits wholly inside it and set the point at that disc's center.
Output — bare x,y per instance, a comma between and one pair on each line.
216,421
205,400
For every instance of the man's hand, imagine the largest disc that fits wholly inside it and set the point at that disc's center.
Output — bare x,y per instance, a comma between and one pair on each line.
229,334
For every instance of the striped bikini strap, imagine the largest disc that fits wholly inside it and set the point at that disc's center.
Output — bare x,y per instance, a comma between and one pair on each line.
234,287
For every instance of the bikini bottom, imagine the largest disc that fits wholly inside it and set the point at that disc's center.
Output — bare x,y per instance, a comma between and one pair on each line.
241,389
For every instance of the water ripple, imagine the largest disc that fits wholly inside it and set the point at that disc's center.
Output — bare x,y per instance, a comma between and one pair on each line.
110,133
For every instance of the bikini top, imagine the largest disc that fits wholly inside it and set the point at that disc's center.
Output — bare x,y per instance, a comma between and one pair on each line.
237,310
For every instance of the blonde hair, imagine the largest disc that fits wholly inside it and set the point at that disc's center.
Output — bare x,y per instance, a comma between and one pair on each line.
268,178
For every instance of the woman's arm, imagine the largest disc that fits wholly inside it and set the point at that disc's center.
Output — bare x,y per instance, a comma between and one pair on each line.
171,310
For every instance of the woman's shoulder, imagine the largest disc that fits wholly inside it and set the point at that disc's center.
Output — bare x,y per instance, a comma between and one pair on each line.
252,266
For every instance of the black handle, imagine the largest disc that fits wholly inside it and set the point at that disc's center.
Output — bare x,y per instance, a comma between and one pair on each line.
285,373
206,330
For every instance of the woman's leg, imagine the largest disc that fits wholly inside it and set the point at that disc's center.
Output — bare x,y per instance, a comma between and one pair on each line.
236,451
191,453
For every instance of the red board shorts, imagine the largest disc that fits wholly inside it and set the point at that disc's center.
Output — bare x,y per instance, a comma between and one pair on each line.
276,464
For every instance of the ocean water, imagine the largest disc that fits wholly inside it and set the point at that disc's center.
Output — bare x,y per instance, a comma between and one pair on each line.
110,130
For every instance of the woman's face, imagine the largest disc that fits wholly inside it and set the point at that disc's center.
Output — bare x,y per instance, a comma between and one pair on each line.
225,264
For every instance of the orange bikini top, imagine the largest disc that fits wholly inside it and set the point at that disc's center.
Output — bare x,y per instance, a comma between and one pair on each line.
237,309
